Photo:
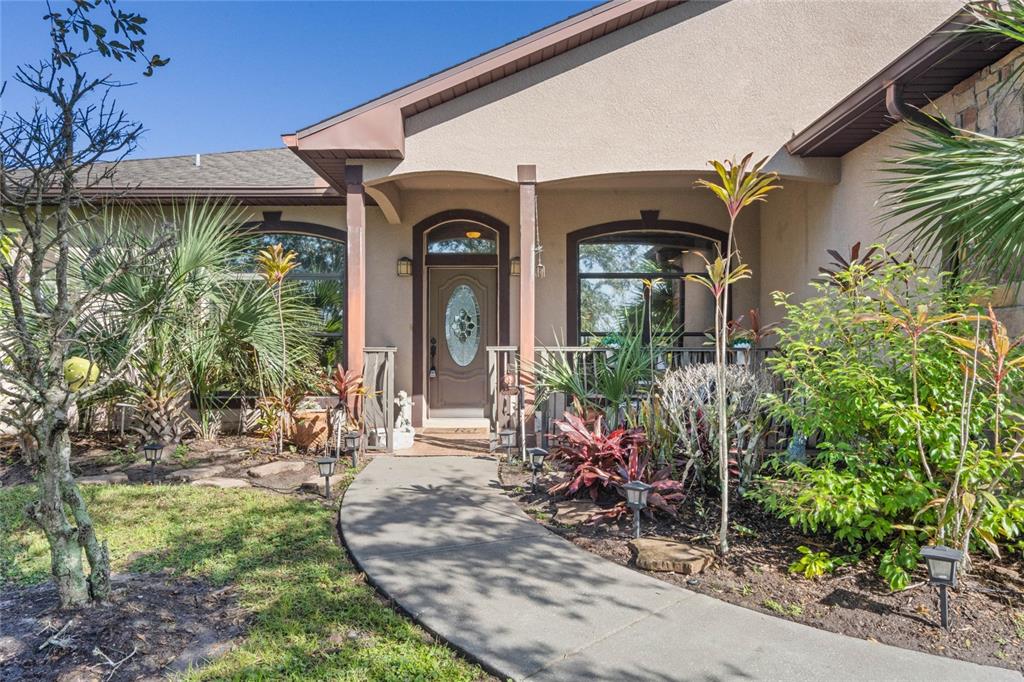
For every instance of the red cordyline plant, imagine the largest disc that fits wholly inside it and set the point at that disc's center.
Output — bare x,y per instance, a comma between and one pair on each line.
598,462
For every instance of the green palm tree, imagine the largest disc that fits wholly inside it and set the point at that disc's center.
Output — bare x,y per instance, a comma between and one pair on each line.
961,195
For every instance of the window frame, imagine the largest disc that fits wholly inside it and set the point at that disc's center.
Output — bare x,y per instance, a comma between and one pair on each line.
649,225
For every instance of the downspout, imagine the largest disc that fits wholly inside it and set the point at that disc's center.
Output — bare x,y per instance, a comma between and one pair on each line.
899,110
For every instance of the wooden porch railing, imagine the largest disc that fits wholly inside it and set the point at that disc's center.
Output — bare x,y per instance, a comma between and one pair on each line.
379,404
502,359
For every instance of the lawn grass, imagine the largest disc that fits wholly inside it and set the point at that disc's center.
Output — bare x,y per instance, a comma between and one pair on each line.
312,615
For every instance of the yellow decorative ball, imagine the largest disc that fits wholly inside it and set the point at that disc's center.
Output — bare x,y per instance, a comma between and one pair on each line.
78,372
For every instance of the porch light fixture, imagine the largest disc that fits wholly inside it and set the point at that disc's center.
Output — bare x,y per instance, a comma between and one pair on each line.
473,234
353,439
326,467
537,457
636,499
404,267
153,452
515,266
941,562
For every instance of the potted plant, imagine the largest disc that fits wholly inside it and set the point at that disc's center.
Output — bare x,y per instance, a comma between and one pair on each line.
309,424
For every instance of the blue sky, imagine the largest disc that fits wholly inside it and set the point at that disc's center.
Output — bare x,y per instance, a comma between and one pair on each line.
242,73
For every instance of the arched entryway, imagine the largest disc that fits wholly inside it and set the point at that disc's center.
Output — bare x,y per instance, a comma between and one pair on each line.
460,306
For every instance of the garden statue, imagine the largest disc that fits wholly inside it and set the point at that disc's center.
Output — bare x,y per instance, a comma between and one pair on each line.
404,431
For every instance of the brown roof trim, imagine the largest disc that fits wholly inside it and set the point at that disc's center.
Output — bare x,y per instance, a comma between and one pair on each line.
376,129
928,70
246,195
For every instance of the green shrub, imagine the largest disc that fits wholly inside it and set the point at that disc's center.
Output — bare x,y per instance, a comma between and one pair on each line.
896,372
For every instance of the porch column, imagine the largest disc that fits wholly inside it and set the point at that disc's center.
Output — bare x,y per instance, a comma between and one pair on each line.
527,277
355,266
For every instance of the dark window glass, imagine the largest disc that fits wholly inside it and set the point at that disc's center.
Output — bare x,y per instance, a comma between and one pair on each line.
462,237
320,274
637,279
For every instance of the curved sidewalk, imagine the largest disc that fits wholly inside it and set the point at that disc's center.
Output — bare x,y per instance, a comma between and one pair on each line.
437,536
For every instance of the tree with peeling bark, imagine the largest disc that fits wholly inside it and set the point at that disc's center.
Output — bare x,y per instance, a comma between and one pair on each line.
58,262
739,186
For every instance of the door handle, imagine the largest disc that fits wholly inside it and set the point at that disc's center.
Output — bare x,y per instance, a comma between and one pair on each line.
433,358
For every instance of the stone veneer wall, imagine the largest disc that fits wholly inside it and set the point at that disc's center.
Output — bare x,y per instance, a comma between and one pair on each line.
991,102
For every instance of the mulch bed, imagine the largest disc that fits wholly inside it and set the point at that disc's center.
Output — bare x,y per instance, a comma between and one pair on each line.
151,628
987,609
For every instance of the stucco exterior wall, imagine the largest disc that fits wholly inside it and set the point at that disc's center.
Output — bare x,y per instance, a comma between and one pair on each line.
804,219
703,80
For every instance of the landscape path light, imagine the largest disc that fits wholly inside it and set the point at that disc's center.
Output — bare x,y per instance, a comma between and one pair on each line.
507,440
353,439
153,452
636,499
942,562
326,466
537,457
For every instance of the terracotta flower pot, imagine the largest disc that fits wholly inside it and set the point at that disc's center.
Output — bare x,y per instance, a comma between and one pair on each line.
309,429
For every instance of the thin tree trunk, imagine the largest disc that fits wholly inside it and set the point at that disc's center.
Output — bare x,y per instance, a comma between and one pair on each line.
721,350
57,488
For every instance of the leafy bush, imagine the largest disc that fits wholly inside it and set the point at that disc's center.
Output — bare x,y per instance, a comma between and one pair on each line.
688,396
887,365
597,463
813,564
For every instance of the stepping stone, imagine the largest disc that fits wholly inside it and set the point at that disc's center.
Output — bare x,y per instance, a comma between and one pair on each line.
189,475
218,482
574,512
315,484
276,468
103,479
663,554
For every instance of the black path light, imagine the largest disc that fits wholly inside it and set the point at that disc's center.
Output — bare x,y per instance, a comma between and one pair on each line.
636,499
353,440
153,452
537,457
326,467
942,562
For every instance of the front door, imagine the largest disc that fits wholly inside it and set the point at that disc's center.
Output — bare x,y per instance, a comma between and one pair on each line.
462,322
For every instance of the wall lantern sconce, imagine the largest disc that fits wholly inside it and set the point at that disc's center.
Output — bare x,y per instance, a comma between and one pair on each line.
941,562
404,266
636,499
515,266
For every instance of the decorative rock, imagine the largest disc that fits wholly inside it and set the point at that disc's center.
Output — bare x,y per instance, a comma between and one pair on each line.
189,475
217,482
663,554
275,468
315,484
574,512
103,479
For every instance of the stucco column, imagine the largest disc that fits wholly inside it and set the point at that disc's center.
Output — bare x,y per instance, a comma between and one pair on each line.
355,265
527,278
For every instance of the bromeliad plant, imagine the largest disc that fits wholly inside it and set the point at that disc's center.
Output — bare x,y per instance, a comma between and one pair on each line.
274,265
597,462
739,186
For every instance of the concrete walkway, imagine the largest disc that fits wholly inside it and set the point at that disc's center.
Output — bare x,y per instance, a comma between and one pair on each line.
437,536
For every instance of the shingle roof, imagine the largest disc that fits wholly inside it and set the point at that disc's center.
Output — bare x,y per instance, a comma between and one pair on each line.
261,175
258,168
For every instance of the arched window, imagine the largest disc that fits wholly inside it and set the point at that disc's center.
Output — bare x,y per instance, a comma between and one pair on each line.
627,276
462,237
320,273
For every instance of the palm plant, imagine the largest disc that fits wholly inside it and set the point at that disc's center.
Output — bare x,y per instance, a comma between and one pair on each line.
740,186
204,326
959,192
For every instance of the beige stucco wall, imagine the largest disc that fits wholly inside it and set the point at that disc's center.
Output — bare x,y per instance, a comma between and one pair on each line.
702,80
799,223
